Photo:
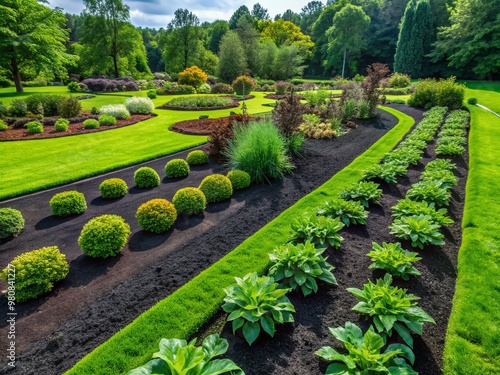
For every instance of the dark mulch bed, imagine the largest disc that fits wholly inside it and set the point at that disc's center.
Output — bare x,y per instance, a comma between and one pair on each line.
203,126
101,296
73,129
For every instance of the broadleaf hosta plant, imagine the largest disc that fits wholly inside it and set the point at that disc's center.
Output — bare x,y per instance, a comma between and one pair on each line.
387,172
407,207
321,231
420,230
392,258
256,302
365,354
440,164
430,191
178,357
365,192
299,266
349,212
391,308
447,177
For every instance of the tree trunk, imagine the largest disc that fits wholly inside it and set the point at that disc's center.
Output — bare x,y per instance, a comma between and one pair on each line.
343,63
115,65
16,74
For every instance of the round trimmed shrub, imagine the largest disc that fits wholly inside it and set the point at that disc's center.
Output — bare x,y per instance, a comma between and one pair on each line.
189,201
216,188
156,215
3,125
74,87
146,177
239,179
177,168
11,222
197,157
104,236
243,85
107,120
61,125
67,203
91,124
472,101
34,127
36,272
113,188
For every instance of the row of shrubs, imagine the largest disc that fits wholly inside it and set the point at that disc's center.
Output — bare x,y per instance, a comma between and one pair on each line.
40,105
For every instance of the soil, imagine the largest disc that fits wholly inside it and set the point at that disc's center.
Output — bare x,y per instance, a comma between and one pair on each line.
77,128
99,297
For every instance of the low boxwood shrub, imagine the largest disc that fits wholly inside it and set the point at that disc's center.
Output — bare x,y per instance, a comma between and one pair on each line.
189,201
34,127
36,272
44,104
152,94
91,124
216,188
391,257
104,236
11,222
348,211
256,302
118,111
107,120
239,179
321,231
113,188
176,168
139,105
68,203
472,101
61,125
156,215
197,157
3,125
146,177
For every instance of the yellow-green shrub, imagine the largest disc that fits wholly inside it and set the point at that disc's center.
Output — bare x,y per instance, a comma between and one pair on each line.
67,203
239,179
197,157
146,177
104,236
156,215
11,222
177,168
113,188
189,201
216,188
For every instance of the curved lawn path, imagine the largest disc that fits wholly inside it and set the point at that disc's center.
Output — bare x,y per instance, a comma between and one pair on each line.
100,297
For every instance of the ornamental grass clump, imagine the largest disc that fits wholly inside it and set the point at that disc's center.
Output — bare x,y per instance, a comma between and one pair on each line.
391,257
68,203
189,201
146,177
407,207
11,222
113,188
299,267
189,359
321,231
197,157
104,236
239,179
256,302
106,120
156,215
365,354
176,168
349,212
216,188
421,230
139,105
260,150
365,192
36,272
391,308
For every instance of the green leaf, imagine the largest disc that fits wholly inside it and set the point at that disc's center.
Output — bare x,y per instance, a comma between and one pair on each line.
251,331
154,366
219,366
388,321
267,324
404,333
214,346
337,369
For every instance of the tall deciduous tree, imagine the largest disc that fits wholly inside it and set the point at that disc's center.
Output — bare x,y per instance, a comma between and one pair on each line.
249,37
259,12
32,37
232,60
215,33
347,35
309,14
285,32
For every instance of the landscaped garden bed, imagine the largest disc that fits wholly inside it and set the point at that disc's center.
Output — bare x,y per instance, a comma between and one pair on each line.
201,103
100,297
204,126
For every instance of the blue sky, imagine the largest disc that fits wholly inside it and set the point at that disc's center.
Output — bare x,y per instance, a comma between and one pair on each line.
158,13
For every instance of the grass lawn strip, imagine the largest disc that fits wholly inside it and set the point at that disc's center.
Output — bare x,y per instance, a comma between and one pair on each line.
473,338
182,313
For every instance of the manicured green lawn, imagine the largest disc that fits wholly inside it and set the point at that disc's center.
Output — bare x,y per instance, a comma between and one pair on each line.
182,313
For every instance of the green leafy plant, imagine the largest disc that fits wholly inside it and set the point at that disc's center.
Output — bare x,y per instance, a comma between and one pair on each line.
156,215
139,105
293,145
3,125
216,188
178,357
440,164
34,127
407,207
391,308
61,125
255,302
430,191
107,120
239,179
399,80
74,87
364,354
200,102
243,85
298,266
365,192
392,258
404,155
70,107
36,272
152,94
450,149
419,229
177,168
472,101
197,157
189,201
146,177
447,177
68,203
321,231
91,124
113,188
18,108
387,172
348,211
118,111
104,236
11,222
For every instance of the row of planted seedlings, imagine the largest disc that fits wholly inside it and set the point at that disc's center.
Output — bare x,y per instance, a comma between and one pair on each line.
256,304
106,235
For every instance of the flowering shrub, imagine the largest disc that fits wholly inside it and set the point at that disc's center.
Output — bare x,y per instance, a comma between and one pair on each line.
139,105
119,111
192,76
104,84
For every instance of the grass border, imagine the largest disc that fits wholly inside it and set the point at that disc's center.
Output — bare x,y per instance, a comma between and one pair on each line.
182,313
